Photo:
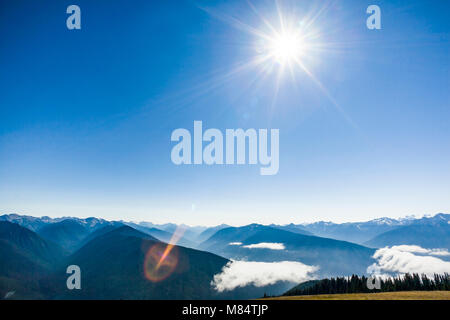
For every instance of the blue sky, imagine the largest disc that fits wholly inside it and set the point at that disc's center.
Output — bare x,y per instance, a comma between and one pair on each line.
86,115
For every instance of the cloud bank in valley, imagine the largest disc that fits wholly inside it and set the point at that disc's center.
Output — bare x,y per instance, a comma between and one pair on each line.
420,250
266,245
242,273
409,259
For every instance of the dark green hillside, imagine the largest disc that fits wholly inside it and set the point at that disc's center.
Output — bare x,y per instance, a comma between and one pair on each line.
25,259
112,267
30,244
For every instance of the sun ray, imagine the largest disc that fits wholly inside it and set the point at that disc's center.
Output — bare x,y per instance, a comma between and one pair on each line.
327,94
277,88
236,23
283,46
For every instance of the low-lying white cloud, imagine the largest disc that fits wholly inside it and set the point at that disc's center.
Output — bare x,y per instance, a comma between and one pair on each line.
235,243
417,249
265,245
242,273
408,259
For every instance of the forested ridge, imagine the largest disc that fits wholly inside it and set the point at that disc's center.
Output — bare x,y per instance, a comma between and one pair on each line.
357,284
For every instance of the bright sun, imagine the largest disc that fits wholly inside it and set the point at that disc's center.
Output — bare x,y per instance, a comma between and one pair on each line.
286,47
285,44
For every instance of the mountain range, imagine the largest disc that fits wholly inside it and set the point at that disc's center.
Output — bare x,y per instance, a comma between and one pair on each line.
121,260
381,232
263,243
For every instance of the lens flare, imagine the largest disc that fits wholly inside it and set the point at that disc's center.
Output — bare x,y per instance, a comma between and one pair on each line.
162,259
160,262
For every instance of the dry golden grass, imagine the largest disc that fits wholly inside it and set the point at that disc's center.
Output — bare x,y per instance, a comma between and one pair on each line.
402,295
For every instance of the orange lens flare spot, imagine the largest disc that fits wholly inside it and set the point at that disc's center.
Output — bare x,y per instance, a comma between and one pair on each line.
160,261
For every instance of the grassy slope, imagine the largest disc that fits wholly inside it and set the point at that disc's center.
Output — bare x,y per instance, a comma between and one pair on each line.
403,295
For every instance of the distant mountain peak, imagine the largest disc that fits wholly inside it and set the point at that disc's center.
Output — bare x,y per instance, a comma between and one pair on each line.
128,231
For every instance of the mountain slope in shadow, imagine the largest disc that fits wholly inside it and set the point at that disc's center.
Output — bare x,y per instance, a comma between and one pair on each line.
25,259
67,233
423,235
121,265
